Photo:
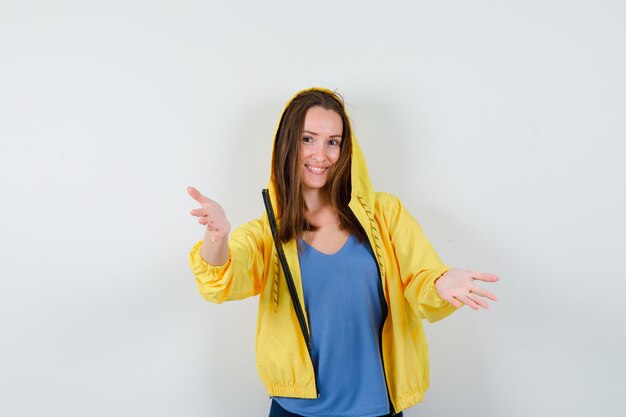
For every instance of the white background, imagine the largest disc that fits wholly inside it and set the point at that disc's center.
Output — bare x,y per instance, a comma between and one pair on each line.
499,124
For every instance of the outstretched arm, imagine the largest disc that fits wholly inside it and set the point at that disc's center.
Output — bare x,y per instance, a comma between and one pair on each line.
226,267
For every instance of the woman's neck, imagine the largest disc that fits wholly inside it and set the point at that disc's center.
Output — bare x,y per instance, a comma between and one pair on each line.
314,201
329,236
319,211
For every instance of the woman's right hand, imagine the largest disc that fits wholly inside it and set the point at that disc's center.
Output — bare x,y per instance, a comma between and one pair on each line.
210,214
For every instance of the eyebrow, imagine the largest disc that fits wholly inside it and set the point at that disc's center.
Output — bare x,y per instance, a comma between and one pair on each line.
315,134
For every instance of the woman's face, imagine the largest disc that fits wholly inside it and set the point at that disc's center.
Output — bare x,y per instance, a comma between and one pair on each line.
320,147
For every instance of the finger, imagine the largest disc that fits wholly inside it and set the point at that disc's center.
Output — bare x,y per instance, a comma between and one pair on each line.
198,212
456,303
468,301
483,276
484,293
478,301
197,195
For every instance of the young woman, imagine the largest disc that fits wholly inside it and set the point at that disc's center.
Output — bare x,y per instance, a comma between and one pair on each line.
345,337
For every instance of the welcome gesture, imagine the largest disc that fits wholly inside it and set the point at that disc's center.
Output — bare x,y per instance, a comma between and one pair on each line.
210,214
314,141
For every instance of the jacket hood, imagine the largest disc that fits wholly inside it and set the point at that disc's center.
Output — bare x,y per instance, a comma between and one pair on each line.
362,190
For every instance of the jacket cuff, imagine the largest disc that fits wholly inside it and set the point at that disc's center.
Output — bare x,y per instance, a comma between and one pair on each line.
436,277
199,266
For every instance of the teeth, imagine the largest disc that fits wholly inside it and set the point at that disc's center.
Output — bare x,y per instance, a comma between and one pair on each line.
316,170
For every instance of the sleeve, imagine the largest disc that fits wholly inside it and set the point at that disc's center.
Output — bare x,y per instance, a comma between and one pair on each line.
242,274
419,264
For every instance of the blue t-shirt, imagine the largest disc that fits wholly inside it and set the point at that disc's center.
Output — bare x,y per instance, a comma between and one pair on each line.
346,309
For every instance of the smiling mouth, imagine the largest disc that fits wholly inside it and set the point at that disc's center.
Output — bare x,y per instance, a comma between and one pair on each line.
316,170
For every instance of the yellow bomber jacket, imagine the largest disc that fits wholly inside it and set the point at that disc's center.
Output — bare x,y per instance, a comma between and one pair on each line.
408,267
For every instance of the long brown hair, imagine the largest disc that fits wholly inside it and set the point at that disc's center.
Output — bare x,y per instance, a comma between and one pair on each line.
286,172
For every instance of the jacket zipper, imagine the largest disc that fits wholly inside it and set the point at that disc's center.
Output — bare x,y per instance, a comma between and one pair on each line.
290,285
392,410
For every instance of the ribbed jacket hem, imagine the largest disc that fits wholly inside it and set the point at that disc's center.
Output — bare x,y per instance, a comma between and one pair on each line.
291,391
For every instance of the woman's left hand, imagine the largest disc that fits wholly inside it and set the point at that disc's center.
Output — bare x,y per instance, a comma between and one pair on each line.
458,288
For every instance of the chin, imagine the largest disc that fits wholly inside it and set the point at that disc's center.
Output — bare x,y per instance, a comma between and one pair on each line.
318,187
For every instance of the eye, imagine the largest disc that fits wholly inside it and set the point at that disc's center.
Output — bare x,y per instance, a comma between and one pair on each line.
333,142
307,139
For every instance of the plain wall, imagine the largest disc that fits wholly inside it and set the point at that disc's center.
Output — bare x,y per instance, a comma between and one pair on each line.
499,124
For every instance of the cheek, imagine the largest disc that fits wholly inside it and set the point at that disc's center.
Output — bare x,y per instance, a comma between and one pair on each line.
333,155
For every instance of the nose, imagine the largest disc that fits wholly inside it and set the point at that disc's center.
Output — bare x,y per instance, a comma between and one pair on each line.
318,153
